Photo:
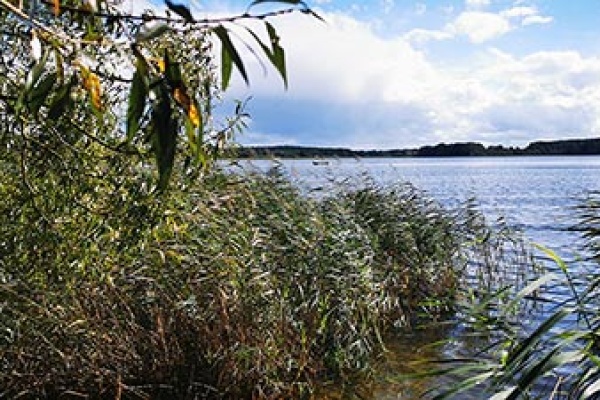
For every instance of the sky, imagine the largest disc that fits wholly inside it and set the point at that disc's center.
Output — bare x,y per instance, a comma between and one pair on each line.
387,74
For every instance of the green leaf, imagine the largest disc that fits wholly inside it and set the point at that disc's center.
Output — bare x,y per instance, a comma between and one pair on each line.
528,345
190,130
465,384
60,101
59,61
137,99
181,10
147,33
228,55
591,391
266,49
37,71
550,361
195,135
555,257
278,56
226,68
163,135
172,72
204,159
39,93
504,394
532,287
275,53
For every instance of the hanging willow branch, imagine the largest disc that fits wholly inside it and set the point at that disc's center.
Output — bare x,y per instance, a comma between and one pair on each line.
196,21
68,46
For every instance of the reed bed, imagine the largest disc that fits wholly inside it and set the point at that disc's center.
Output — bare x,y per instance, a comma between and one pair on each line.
230,286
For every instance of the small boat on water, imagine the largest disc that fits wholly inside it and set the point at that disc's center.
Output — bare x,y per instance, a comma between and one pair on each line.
320,162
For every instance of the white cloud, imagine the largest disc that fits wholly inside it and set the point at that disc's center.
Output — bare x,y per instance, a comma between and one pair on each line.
545,93
526,15
351,87
479,26
536,19
482,26
519,12
426,35
346,59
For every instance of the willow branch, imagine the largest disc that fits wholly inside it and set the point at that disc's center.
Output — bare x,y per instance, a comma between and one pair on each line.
27,18
203,22
197,22
118,148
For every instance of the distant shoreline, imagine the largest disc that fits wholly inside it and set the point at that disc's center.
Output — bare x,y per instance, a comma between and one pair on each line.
571,147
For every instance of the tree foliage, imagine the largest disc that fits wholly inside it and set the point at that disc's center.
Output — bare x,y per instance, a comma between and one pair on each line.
81,72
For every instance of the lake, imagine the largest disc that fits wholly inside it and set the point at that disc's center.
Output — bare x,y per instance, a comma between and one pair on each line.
537,195
534,194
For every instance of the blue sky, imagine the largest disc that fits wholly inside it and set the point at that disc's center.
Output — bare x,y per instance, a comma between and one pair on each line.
400,73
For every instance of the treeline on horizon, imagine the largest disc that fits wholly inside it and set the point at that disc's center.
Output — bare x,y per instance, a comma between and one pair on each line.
468,149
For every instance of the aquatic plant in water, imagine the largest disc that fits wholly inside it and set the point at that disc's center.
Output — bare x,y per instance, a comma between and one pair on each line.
558,358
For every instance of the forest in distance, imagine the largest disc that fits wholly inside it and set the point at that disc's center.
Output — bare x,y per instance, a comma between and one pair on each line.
466,149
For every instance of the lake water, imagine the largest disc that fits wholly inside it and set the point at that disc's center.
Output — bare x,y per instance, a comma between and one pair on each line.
537,195
534,194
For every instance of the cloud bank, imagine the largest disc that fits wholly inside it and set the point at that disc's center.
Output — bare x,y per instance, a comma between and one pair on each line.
350,86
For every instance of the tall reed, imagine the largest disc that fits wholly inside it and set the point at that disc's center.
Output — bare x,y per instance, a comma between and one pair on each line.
233,286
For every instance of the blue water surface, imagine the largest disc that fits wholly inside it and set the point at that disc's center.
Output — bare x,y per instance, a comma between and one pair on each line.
535,194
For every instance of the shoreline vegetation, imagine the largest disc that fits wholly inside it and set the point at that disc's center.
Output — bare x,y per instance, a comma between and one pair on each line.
467,149
235,286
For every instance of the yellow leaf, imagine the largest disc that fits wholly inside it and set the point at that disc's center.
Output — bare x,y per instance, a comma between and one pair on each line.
194,115
181,97
91,83
160,63
56,7
96,94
